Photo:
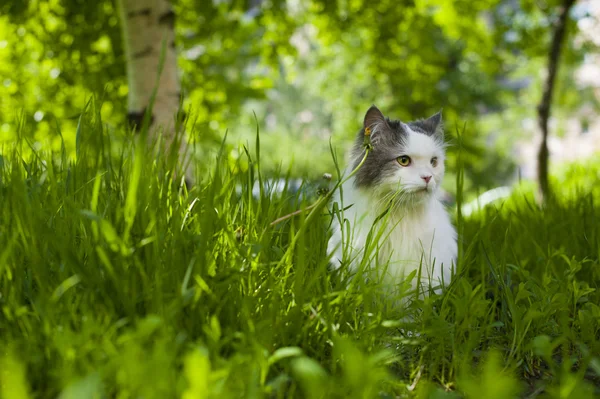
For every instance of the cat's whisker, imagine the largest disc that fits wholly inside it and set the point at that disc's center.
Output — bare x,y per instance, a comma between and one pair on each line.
386,200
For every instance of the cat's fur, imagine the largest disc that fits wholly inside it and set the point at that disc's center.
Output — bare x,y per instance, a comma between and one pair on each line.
416,231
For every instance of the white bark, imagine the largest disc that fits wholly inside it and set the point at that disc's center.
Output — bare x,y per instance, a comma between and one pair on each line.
147,25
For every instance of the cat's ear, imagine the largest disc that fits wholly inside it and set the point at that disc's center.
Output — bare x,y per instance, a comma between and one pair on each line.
373,117
434,125
375,123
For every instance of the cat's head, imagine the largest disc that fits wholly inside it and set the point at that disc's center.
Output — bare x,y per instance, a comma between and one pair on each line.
407,159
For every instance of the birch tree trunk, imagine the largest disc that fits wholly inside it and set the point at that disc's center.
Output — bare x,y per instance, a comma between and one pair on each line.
146,25
558,36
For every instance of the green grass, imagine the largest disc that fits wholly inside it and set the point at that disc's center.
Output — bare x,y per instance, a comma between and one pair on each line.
116,282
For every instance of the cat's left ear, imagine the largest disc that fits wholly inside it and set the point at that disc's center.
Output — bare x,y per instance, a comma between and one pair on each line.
434,125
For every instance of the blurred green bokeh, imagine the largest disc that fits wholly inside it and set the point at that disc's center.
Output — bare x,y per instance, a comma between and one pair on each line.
308,69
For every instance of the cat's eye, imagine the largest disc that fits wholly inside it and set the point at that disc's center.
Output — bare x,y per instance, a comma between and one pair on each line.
404,160
434,162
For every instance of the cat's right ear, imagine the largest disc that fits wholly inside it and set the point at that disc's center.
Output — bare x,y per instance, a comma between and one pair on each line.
373,117
375,123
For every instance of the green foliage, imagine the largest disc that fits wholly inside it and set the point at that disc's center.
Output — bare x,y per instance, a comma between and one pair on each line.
308,69
228,51
493,383
117,282
12,376
53,55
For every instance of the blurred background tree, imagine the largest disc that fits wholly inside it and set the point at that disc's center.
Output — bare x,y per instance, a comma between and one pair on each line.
310,69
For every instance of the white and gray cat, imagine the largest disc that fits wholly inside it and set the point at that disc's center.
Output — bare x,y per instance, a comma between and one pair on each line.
400,178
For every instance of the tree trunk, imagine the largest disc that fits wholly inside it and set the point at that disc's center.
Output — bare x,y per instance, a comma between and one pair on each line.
558,36
146,25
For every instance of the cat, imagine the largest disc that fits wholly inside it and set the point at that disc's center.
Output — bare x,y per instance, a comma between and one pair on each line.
396,190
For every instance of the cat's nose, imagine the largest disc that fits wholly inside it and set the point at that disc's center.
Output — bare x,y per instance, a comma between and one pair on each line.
426,178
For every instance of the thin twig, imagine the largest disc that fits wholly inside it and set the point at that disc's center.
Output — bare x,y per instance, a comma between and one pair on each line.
326,197
299,211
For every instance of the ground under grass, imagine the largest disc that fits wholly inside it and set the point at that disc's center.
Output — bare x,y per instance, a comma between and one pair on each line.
116,282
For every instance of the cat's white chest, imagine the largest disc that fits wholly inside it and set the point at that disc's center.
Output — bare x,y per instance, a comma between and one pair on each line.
425,240
410,239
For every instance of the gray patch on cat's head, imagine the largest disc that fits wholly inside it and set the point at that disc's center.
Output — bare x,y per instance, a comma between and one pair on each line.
388,138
